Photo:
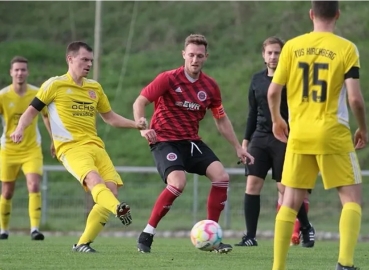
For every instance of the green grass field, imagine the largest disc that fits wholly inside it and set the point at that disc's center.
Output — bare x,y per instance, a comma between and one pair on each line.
19,253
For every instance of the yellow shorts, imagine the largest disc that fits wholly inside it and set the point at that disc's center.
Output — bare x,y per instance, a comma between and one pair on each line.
81,160
11,164
301,171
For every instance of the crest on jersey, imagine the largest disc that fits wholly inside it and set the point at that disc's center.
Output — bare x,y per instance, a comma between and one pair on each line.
171,157
201,95
92,94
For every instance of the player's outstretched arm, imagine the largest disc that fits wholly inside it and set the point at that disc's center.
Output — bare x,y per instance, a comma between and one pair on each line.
225,128
119,121
24,121
139,112
139,107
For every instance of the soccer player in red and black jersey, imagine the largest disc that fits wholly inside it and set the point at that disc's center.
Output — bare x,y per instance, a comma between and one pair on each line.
181,98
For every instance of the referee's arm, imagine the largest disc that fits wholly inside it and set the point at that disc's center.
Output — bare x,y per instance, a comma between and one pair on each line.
251,118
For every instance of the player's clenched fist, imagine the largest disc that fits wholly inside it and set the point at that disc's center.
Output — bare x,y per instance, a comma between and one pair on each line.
142,123
17,136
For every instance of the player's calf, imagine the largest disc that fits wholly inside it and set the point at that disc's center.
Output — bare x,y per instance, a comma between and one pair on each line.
124,213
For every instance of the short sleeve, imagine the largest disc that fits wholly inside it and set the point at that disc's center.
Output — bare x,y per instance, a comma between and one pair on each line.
281,73
103,104
47,92
217,97
352,57
156,88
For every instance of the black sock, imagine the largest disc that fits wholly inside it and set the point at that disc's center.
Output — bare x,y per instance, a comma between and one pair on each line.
303,217
252,211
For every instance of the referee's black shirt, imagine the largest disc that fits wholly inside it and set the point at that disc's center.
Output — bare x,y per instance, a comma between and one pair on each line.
259,118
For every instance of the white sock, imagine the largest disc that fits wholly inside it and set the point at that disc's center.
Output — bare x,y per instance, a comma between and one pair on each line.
34,229
4,232
149,229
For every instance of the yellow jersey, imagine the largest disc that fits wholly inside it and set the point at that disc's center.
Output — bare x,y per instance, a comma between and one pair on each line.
12,107
313,68
72,111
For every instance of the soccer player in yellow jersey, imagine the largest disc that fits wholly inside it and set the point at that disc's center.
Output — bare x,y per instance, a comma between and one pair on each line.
73,102
319,70
14,100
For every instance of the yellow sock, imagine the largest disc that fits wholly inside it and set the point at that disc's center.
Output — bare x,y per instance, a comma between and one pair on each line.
95,223
105,198
34,209
282,236
5,211
350,223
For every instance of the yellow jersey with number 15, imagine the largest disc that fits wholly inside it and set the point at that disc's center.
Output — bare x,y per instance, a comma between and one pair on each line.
72,111
12,106
314,67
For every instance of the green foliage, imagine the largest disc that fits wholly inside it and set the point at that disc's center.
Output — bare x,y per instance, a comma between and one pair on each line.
235,31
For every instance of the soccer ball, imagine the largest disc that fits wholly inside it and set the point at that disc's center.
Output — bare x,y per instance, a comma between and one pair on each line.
206,235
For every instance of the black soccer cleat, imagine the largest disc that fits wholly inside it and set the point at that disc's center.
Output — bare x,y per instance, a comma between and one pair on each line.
247,242
36,235
4,236
341,267
144,242
124,213
308,237
83,248
223,248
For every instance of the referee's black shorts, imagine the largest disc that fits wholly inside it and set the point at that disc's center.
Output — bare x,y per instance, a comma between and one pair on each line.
269,154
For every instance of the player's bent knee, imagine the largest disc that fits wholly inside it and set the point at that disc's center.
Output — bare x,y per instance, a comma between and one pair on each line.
92,179
7,190
254,185
351,193
113,188
33,182
177,179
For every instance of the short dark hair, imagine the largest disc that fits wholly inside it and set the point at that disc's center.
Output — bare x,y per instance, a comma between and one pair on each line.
18,59
196,39
272,40
75,46
325,9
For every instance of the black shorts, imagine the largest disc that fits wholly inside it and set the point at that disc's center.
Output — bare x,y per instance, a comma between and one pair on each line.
189,156
268,153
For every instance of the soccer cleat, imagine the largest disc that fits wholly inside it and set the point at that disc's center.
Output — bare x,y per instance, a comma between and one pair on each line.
36,235
308,237
144,242
4,236
223,248
124,213
247,242
83,248
341,267
295,239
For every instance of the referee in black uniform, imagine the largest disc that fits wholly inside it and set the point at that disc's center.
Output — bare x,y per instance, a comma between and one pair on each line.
268,151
